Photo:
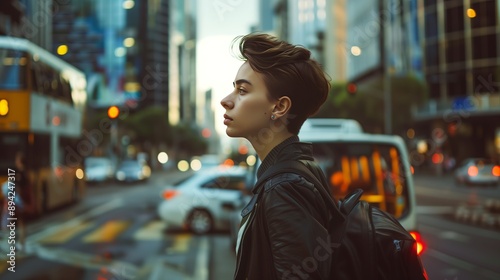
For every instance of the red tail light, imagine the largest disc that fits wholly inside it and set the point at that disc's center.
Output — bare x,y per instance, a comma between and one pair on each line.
169,194
420,243
496,171
472,171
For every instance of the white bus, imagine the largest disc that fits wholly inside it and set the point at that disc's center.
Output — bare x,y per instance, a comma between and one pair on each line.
378,164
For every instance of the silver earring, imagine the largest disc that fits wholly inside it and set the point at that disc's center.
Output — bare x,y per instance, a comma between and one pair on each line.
273,117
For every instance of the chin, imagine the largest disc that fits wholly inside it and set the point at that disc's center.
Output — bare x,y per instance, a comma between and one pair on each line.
232,133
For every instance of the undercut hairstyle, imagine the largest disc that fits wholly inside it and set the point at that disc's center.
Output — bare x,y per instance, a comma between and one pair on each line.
287,70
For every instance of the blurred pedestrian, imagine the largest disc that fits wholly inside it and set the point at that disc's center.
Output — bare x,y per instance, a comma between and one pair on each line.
18,191
276,89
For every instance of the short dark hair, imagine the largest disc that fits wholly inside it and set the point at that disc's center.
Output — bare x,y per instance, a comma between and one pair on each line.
288,70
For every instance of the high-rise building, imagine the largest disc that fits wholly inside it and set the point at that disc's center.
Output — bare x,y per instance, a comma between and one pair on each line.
302,22
153,58
11,15
460,42
182,62
29,19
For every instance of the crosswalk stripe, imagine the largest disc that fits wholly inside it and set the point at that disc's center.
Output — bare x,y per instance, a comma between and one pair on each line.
108,232
180,243
151,231
64,234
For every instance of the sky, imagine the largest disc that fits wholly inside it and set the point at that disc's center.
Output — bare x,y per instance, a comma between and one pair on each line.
218,23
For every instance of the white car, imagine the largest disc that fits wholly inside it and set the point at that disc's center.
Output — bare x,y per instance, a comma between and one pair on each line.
98,169
205,201
479,171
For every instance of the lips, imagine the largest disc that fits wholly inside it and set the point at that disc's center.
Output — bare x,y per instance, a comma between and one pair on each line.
227,119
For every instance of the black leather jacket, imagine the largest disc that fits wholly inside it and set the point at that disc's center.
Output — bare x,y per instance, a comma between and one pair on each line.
284,229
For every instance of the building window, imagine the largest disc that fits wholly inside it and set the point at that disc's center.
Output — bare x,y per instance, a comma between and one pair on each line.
454,19
484,46
428,3
432,54
455,50
486,12
431,23
433,84
486,79
456,84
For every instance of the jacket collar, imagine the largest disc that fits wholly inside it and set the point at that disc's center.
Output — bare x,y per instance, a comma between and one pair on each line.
289,149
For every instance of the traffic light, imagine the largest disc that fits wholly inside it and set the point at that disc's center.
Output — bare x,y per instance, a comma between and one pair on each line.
113,112
352,88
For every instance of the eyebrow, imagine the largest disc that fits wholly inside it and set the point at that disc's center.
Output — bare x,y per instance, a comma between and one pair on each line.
241,81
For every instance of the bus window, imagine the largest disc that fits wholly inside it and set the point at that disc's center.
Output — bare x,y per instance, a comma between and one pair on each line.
375,168
12,69
40,153
9,145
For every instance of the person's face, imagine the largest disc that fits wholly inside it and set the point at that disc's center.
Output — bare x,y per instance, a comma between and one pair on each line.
248,108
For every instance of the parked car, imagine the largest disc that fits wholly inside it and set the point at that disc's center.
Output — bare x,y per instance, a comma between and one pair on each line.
98,169
132,170
203,202
477,171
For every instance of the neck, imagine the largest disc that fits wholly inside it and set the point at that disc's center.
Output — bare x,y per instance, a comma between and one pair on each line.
263,148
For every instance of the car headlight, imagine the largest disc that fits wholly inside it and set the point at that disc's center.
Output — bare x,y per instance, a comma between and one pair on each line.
120,175
146,171
79,173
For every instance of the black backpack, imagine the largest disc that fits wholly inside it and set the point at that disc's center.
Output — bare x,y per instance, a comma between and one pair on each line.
373,244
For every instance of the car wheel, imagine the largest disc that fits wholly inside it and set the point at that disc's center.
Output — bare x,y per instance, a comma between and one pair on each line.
200,221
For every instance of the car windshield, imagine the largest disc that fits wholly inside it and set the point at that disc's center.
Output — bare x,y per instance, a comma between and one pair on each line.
128,164
375,168
483,161
93,162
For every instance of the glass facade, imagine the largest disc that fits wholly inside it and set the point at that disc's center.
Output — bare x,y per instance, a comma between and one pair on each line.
461,46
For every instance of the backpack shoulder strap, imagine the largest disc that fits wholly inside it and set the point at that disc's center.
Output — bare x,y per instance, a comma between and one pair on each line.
299,167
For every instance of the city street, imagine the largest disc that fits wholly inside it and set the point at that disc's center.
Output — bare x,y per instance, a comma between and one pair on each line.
115,234
461,247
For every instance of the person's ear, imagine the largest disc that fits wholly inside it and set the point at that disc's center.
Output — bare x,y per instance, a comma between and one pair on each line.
282,106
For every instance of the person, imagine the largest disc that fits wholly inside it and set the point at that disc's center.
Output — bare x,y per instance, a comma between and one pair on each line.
277,87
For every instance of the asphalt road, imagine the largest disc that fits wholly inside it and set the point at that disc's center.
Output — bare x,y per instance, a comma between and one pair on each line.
115,234
460,245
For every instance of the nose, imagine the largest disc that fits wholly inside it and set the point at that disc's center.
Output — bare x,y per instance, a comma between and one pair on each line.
226,102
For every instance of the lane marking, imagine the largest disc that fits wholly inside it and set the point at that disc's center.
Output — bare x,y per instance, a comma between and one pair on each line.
452,235
446,234
180,243
50,230
86,261
437,225
64,234
201,272
427,209
107,232
461,264
153,231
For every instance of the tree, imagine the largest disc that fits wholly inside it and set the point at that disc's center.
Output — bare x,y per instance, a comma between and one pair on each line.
366,105
149,125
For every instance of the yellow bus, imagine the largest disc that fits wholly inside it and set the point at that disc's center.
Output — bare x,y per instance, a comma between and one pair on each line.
42,101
